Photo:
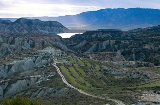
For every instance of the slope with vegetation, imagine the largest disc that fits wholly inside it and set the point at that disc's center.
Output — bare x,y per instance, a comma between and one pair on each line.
106,79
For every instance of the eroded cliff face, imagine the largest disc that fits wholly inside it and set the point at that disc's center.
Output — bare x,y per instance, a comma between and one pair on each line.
10,44
134,45
23,70
26,65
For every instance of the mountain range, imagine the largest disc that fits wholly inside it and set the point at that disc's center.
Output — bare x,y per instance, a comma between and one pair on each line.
119,18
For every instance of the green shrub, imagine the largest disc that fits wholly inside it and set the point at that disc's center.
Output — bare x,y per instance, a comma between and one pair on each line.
78,78
20,100
80,62
73,72
72,79
80,71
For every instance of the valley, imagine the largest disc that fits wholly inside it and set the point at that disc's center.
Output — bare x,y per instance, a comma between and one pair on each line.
98,67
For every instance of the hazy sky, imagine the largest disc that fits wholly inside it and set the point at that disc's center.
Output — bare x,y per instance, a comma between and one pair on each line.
32,8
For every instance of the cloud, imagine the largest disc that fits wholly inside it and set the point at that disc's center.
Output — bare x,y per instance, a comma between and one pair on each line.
32,8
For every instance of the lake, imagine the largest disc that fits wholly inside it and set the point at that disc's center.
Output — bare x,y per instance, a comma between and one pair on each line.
67,35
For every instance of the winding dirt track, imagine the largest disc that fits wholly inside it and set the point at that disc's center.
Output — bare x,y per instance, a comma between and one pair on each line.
82,92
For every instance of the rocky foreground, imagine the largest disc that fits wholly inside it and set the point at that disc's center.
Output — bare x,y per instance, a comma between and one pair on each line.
26,68
23,60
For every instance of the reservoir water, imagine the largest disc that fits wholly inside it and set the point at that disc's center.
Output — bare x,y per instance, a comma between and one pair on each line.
67,35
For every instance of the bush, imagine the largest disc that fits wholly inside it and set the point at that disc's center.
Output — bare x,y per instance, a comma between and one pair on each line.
20,100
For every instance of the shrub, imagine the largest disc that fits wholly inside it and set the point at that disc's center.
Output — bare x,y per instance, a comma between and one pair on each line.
20,100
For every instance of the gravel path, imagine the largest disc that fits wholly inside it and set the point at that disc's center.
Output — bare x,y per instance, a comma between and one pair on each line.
118,102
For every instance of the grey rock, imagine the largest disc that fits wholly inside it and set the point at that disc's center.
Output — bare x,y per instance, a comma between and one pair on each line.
17,86
38,62
105,43
3,72
35,93
16,67
1,93
116,72
92,49
41,93
1,40
63,91
28,64
44,62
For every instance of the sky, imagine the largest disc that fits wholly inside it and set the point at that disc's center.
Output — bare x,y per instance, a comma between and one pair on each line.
54,8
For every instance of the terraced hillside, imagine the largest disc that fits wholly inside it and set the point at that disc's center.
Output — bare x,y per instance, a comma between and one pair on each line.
108,79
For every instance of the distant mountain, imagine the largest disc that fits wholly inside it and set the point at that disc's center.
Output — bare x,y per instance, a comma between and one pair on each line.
24,26
11,19
110,18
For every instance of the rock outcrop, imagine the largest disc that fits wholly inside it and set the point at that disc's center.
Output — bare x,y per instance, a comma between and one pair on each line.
10,44
29,69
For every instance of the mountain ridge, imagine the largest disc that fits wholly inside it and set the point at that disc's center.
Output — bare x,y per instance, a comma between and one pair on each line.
23,26
119,18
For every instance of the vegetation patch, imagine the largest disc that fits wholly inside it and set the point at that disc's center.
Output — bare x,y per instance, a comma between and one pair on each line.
21,100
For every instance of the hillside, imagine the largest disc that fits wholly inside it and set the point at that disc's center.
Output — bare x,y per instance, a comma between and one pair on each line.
133,45
26,68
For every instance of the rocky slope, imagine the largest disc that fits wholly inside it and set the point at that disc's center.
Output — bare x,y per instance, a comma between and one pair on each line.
133,45
24,26
20,71
23,59
16,43
26,68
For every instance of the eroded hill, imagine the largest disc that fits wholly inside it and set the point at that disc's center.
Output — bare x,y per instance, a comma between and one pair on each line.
133,45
